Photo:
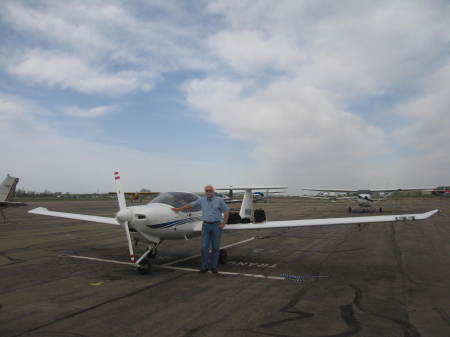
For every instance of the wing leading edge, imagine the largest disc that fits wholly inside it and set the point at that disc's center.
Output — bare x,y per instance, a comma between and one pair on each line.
331,221
91,218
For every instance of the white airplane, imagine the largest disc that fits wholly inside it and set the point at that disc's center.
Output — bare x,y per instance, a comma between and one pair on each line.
256,193
362,198
7,191
155,222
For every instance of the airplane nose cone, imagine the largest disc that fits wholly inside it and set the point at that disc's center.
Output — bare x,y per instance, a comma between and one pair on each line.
124,215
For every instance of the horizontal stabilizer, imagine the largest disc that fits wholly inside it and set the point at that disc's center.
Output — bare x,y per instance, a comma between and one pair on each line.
91,218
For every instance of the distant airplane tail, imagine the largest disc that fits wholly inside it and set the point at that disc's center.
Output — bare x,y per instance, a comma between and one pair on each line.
8,188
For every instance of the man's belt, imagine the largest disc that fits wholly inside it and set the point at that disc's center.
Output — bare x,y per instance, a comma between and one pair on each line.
210,223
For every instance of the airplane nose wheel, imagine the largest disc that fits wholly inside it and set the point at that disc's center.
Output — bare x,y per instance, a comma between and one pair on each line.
223,256
144,267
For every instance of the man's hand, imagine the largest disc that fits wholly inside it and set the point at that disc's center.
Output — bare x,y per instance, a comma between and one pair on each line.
221,225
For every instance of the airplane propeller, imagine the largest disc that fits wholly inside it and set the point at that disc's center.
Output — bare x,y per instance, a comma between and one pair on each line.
124,215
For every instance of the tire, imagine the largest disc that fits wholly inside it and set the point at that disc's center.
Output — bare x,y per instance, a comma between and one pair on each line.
234,218
223,256
381,209
259,215
349,209
145,267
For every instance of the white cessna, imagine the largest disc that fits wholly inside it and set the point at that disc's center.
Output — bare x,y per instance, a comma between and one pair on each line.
156,222
362,198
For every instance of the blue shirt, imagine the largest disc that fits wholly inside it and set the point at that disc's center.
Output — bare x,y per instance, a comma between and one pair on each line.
212,208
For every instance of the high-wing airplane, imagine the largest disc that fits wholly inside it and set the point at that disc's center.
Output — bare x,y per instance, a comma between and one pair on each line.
363,198
7,191
256,192
155,222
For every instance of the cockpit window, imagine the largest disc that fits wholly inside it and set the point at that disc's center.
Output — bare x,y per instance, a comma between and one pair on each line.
175,199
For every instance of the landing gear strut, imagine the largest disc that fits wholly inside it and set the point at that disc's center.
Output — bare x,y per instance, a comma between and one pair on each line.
144,264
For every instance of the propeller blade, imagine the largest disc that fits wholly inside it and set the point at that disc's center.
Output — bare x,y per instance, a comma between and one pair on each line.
119,191
130,245
124,215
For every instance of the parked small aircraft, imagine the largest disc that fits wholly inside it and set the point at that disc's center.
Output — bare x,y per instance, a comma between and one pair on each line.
256,193
362,198
7,191
155,222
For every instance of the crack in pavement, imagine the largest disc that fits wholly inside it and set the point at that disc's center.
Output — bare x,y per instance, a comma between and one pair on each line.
398,255
112,300
409,330
445,317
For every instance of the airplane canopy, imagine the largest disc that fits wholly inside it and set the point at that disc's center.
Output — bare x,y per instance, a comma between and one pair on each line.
175,199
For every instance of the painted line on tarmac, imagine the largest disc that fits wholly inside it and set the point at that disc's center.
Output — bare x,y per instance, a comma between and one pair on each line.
224,272
198,255
100,260
269,277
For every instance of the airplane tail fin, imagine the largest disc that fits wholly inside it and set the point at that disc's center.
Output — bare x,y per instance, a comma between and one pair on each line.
8,188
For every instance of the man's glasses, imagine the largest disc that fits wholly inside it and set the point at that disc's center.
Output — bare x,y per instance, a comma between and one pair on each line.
208,190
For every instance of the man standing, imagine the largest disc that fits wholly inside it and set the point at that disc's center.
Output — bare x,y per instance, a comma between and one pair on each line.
213,223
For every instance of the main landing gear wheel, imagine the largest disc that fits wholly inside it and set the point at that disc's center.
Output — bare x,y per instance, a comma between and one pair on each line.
349,209
381,209
153,254
223,256
144,267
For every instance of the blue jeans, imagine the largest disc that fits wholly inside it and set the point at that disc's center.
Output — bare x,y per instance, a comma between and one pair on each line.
210,233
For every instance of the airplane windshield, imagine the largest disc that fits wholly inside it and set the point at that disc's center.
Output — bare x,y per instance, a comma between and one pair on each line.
175,199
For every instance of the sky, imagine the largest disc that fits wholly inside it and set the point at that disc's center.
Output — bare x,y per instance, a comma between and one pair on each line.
180,94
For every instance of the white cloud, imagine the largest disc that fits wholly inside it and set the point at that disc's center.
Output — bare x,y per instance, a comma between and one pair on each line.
284,75
248,51
296,128
94,112
9,110
350,47
66,71
296,67
44,159
429,114
100,48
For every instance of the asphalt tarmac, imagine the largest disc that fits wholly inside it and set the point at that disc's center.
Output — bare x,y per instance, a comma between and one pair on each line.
380,280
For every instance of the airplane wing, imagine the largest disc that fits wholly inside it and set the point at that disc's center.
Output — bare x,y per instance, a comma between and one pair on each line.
251,188
91,218
330,221
370,189
402,189
330,190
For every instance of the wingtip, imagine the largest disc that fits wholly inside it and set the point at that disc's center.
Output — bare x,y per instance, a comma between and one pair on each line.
37,210
430,213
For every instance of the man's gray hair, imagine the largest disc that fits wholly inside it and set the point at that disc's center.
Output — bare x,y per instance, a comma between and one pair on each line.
206,187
